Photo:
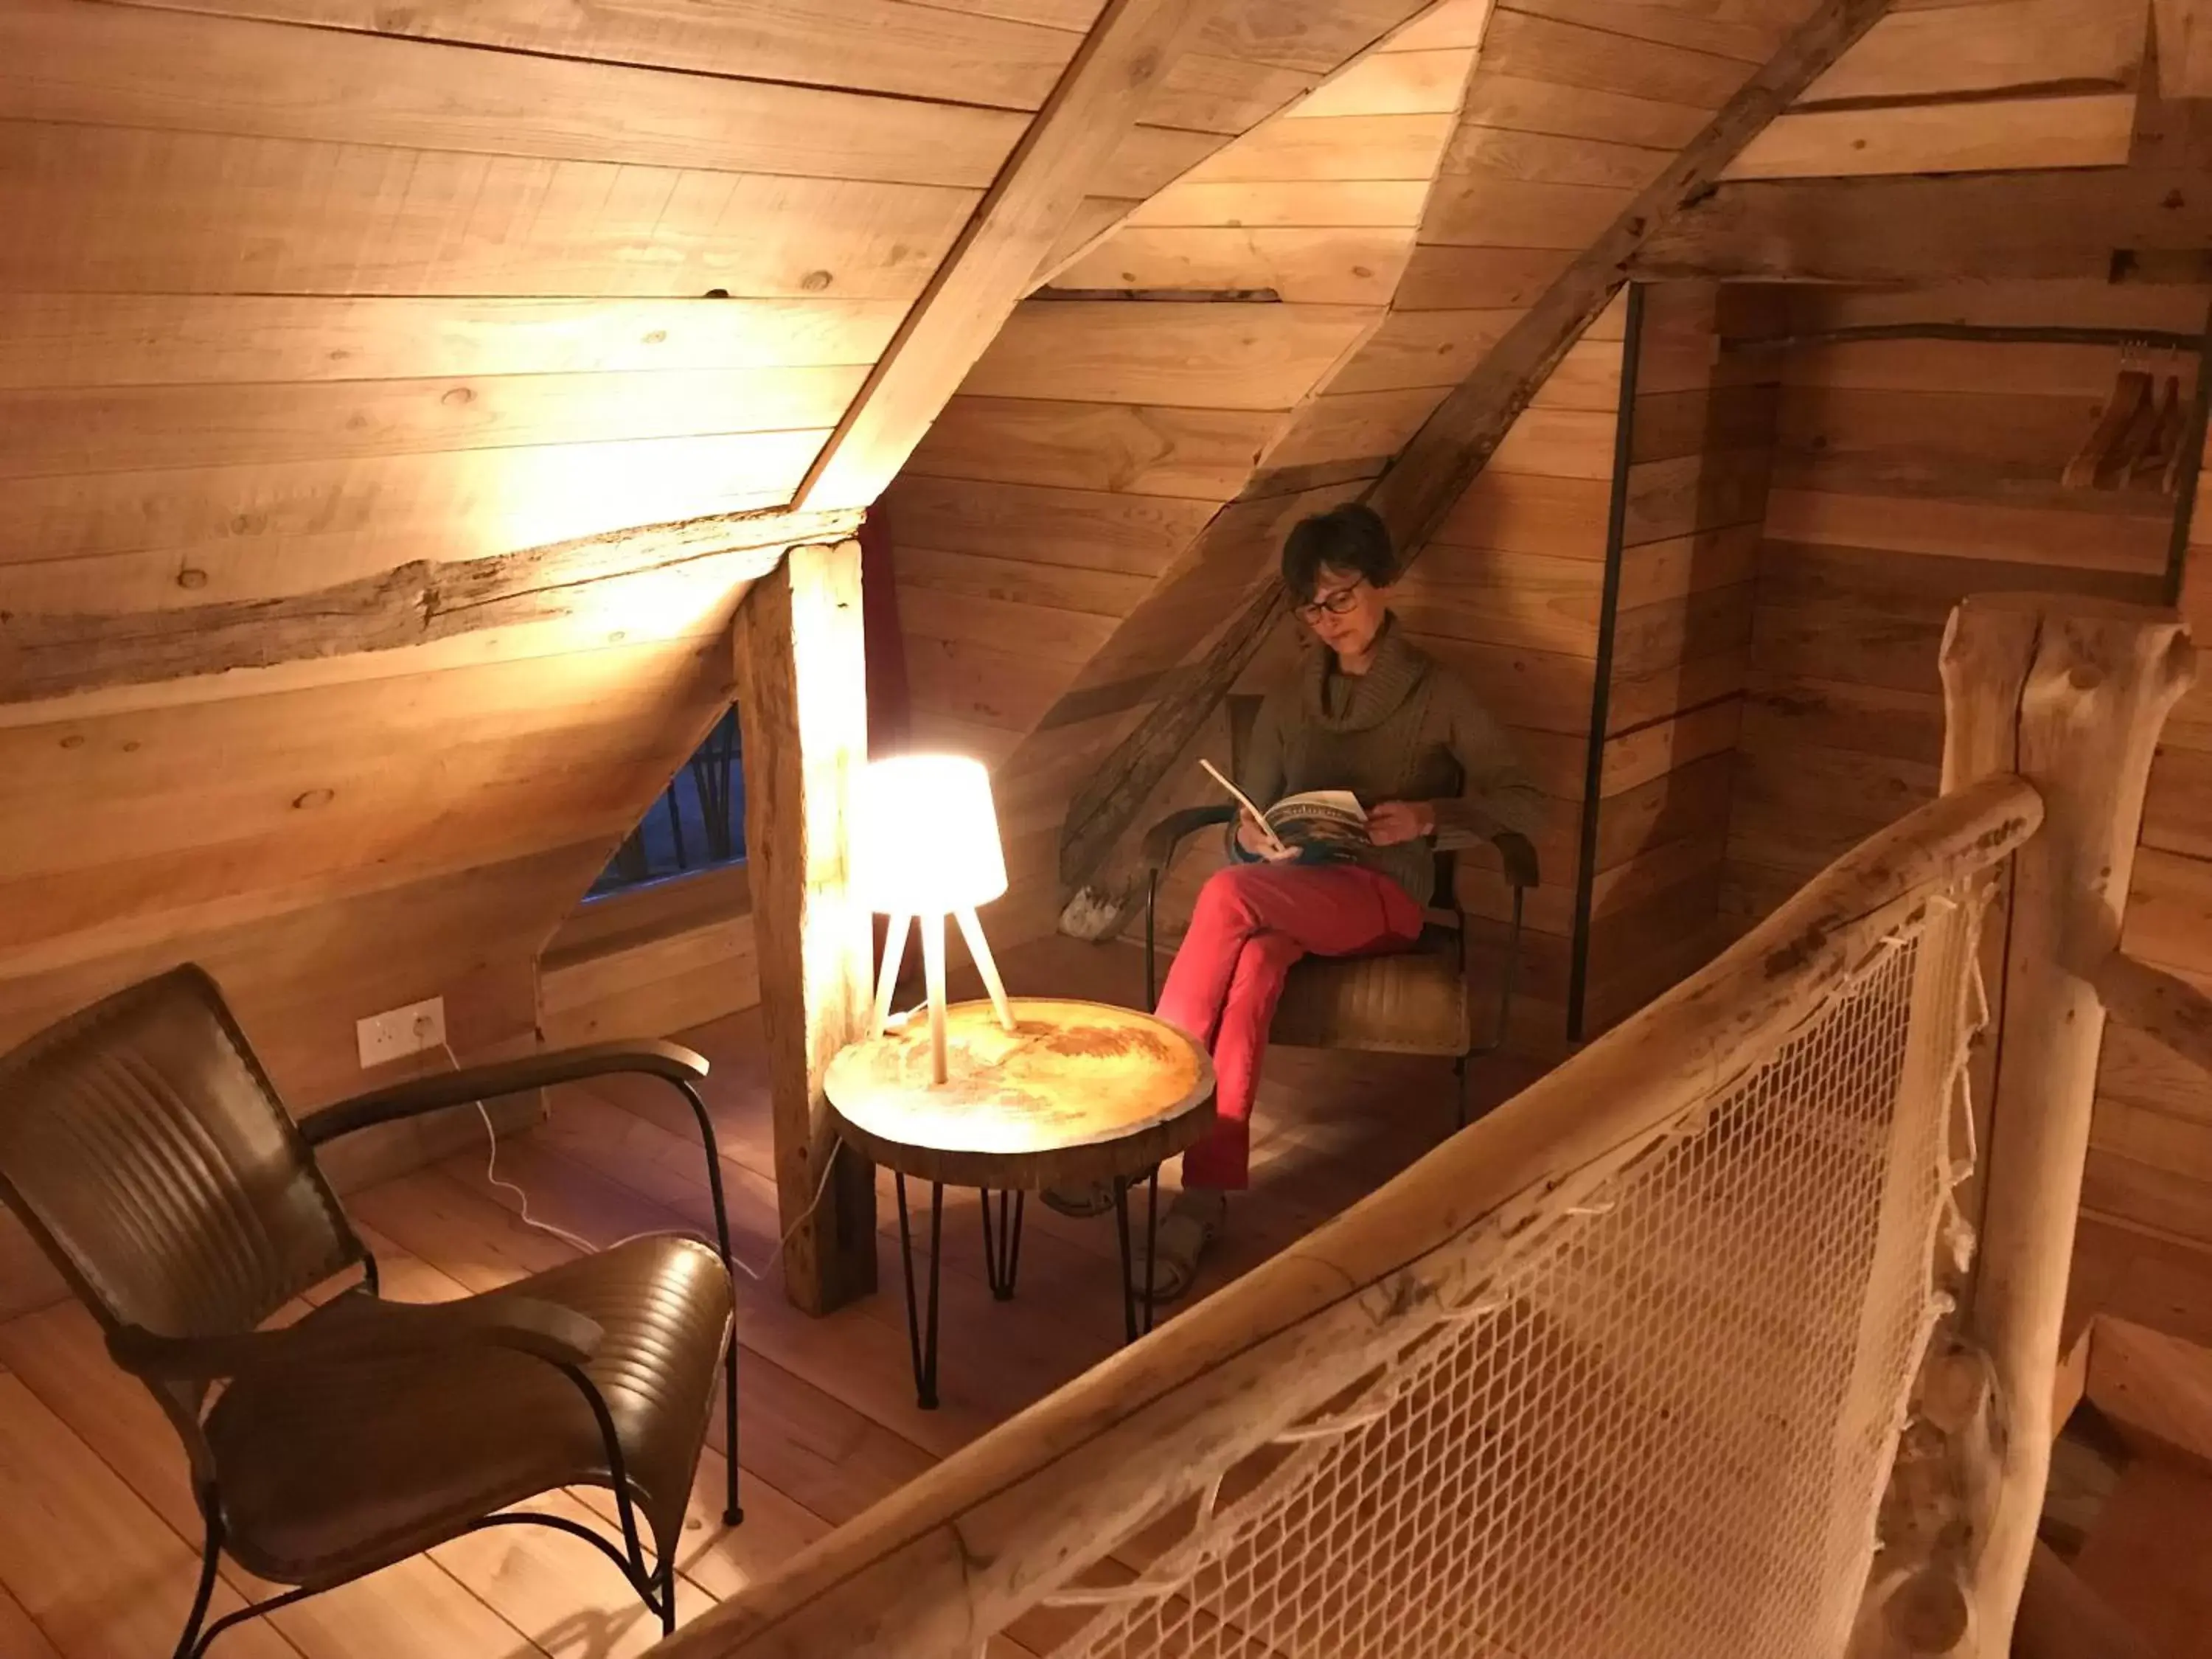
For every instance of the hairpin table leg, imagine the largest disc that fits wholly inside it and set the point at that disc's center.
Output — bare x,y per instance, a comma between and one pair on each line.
1002,1247
922,1327
1131,1295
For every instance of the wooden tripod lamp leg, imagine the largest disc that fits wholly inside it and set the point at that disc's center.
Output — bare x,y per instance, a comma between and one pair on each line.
971,929
932,962
887,981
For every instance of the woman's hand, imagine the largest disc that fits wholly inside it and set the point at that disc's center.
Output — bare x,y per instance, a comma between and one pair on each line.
1391,822
1250,838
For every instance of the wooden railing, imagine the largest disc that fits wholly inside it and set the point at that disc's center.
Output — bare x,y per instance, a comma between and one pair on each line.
1622,1368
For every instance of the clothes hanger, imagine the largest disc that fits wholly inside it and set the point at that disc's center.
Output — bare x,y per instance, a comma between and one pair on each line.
2131,392
2170,482
2140,433
2158,457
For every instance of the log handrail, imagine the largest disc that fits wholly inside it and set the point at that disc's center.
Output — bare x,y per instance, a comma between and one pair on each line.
2162,1005
953,1556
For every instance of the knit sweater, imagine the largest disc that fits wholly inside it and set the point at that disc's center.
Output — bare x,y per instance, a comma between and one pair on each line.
1407,730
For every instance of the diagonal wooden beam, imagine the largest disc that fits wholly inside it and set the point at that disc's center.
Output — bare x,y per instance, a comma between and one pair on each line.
50,654
995,260
1444,456
1008,246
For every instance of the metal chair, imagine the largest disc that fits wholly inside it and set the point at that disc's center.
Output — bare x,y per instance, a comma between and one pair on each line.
143,1146
1416,1001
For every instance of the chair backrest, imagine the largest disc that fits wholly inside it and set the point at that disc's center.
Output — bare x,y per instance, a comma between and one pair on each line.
143,1144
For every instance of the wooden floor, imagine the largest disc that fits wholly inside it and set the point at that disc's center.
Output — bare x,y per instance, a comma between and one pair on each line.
99,1540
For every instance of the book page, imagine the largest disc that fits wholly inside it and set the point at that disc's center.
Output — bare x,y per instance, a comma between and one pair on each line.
1329,818
1258,817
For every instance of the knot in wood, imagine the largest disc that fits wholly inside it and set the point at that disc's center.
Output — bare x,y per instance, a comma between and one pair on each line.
312,798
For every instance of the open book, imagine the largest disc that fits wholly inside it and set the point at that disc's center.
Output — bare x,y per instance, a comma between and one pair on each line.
1332,819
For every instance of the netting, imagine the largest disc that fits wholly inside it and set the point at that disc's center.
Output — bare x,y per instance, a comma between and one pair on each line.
1662,1427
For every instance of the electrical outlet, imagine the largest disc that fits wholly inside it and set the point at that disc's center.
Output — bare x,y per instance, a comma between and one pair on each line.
398,1032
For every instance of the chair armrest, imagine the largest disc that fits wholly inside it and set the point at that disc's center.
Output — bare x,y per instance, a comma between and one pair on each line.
1518,854
375,1330
1162,839
440,1089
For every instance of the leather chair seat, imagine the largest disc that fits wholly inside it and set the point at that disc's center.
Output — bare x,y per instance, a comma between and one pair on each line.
1409,1002
330,1474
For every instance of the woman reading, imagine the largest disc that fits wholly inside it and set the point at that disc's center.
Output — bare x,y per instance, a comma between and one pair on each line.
1369,713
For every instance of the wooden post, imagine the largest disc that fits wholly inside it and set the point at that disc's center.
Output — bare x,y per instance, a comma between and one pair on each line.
2071,694
803,709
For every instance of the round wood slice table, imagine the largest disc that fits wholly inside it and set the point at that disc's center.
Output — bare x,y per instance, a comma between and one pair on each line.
1077,1093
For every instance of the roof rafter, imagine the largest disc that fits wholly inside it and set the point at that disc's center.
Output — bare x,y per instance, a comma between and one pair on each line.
1001,254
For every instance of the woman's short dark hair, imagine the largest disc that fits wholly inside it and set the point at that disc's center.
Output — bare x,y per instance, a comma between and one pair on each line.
1351,538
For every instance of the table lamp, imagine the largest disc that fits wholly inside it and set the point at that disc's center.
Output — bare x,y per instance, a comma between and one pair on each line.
924,846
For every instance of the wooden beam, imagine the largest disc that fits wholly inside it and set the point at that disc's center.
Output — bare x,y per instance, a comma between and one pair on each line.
1452,446
803,711
2158,1003
994,262
2155,1387
1104,809
2061,1618
2070,694
45,655
2064,222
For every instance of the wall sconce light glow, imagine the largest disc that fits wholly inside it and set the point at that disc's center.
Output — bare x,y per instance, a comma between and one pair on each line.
925,845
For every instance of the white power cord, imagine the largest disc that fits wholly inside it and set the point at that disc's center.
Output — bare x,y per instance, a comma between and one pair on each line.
758,1275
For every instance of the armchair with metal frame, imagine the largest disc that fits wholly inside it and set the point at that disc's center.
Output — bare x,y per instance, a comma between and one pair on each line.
1416,1001
144,1147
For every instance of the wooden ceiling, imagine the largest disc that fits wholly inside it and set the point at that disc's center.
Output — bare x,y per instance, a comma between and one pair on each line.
398,399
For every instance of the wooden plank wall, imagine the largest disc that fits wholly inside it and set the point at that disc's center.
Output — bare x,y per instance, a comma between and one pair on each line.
2151,1144
1908,474
1570,108
1052,532
295,293
1980,87
657,959
1701,436
1510,597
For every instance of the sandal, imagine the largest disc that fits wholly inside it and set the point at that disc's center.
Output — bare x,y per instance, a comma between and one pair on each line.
1093,1198
1184,1233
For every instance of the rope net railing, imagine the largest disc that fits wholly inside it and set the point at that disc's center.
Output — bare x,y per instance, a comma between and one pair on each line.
1619,1372
1661,1429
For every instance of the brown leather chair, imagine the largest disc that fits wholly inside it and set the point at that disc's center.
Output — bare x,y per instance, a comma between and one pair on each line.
1416,1001
142,1143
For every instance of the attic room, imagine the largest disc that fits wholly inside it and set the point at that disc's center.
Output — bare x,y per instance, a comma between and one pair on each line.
635,1022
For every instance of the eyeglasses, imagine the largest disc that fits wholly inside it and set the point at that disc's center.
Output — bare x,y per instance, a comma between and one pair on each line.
1335,603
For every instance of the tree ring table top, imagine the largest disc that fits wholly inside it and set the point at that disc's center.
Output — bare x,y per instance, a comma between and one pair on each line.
1078,1092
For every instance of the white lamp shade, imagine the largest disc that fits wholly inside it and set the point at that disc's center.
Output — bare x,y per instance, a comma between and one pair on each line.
925,836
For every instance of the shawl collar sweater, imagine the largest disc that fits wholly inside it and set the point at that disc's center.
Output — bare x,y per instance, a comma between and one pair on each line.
1407,730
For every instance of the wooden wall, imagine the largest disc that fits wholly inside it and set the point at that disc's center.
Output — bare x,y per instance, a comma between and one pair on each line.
1567,111
2151,1144
295,314
1086,511
1908,474
1700,434
338,300
1984,85
1509,596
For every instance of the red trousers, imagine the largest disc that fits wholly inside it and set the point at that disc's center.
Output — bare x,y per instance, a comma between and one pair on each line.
1252,922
